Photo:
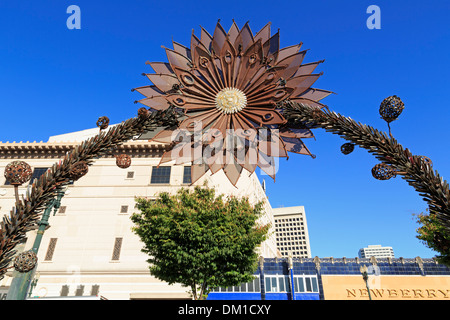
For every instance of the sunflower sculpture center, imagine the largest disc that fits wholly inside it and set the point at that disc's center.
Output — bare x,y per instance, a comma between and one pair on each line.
231,100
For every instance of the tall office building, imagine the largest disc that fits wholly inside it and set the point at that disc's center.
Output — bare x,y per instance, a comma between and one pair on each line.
292,232
376,251
89,248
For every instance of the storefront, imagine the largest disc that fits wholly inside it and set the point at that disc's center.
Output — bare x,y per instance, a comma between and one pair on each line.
341,279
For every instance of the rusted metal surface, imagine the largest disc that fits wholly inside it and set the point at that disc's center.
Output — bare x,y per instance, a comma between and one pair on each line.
25,261
391,108
103,122
78,170
383,171
234,82
123,161
18,172
347,148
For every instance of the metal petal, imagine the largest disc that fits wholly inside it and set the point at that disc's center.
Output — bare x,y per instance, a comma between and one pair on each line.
197,171
288,51
271,47
245,38
315,94
163,82
292,64
219,38
307,68
263,34
149,91
232,170
161,67
296,146
156,102
183,50
205,39
177,60
233,32
249,65
302,83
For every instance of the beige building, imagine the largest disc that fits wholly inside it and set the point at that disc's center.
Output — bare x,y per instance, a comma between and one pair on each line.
89,248
292,232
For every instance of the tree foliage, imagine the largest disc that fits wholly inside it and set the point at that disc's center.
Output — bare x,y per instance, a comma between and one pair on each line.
435,236
200,240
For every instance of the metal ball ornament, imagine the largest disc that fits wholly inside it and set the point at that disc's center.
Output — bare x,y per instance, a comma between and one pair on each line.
143,113
391,108
427,160
347,148
18,172
78,170
383,171
123,161
103,122
25,261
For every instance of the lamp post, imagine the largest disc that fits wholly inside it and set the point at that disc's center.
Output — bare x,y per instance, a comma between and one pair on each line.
33,283
23,276
365,276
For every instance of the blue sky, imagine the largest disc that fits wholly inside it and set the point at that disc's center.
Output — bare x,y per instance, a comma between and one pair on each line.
54,80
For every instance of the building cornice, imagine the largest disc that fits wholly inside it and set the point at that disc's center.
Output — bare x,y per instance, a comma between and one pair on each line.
26,150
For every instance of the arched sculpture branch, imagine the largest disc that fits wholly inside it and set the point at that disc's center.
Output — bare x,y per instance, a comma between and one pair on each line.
28,210
416,170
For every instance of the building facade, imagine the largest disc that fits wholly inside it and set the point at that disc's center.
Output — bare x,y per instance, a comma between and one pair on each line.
89,248
376,251
341,279
292,232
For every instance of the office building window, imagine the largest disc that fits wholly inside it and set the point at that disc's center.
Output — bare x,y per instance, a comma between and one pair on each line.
187,175
160,175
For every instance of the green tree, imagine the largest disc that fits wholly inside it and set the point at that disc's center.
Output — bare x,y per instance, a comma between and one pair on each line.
435,236
200,240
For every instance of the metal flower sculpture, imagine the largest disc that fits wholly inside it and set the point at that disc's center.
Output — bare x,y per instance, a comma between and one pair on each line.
230,86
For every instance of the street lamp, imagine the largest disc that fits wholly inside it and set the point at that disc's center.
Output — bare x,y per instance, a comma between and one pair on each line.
363,269
26,262
34,283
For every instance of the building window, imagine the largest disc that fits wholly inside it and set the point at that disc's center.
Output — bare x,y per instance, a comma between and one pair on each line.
62,209
278,283
37,173
160,175
117,247
95,290
123,209
252,286
187,175
305,284
79,291
64,291
50,249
